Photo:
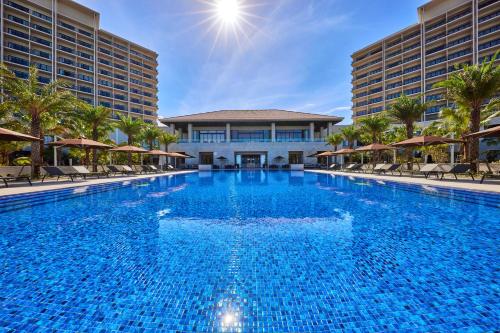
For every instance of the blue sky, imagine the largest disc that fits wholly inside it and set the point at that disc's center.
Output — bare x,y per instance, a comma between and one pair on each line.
292,54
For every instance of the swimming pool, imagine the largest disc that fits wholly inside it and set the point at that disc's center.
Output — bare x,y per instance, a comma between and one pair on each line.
250,251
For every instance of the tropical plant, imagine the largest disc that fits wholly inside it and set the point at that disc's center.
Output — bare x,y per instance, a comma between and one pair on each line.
394,134
150,135
96,122
334,140
35,103
408,111
473,88
373,128
132,128
351,134
167,139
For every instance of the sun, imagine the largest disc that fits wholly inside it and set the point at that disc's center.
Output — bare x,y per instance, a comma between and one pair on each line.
228,11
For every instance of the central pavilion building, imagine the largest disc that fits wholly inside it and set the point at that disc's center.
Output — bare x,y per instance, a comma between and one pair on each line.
251,138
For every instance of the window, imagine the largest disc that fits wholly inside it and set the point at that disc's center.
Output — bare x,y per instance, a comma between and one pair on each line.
250,135
412,80
66,61
41,41
206,158
208,136
42,54
104,93
18,47
295,157
292,135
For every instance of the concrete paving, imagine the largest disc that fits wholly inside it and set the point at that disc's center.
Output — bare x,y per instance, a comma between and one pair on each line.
51,184
489,185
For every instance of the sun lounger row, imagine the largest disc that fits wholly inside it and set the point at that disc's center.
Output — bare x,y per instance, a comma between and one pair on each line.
73,172
427,170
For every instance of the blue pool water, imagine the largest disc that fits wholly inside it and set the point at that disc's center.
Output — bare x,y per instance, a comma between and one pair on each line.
250,251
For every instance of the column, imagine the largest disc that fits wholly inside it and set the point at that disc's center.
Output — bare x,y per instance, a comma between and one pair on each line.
172,128
330,129
179,133
311,132
273,132
190,132
228,132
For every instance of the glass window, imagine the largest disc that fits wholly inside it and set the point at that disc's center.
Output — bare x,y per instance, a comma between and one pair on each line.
207,158
295,157
208,136
292,135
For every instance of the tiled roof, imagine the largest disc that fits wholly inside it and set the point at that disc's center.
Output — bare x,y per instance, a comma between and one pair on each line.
251,115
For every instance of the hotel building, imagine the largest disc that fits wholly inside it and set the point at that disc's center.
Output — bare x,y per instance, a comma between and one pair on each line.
411,61
251,138
63,40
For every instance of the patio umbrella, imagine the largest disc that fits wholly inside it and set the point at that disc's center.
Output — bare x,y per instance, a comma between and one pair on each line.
326,154
80,143
493,132
179,155
222,159
374,147
345,151
157,152
8,135
420,141
129,149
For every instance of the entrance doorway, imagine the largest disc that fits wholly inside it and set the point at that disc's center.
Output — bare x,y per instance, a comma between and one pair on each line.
251,160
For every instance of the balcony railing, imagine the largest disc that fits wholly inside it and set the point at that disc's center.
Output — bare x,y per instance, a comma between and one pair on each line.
253,140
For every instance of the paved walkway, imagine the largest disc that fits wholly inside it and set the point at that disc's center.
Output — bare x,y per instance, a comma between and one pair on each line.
18,188
489,185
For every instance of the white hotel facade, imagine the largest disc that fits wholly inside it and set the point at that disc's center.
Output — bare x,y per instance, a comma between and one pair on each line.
251,138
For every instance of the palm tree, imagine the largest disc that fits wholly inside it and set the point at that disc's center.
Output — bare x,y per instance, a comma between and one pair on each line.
132,128
334,140
374,127
408,111
97,123
167,139
471,88
36,102
351,134
150,134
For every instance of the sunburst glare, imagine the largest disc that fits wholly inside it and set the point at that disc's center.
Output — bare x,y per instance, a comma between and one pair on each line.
229,19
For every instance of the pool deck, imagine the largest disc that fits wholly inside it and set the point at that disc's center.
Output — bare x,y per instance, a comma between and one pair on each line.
489,185
52,184
462,183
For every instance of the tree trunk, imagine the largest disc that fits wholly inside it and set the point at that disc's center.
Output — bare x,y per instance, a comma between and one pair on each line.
95,136
36,150
151,161
409,150
129,155
473,143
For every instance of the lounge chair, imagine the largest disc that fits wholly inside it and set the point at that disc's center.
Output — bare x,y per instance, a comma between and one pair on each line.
13,174
366,168
346,167
53,171
153,168
391,168
489,171
429,169
121,169
354,167
334,166
84,172
378,168
457,169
